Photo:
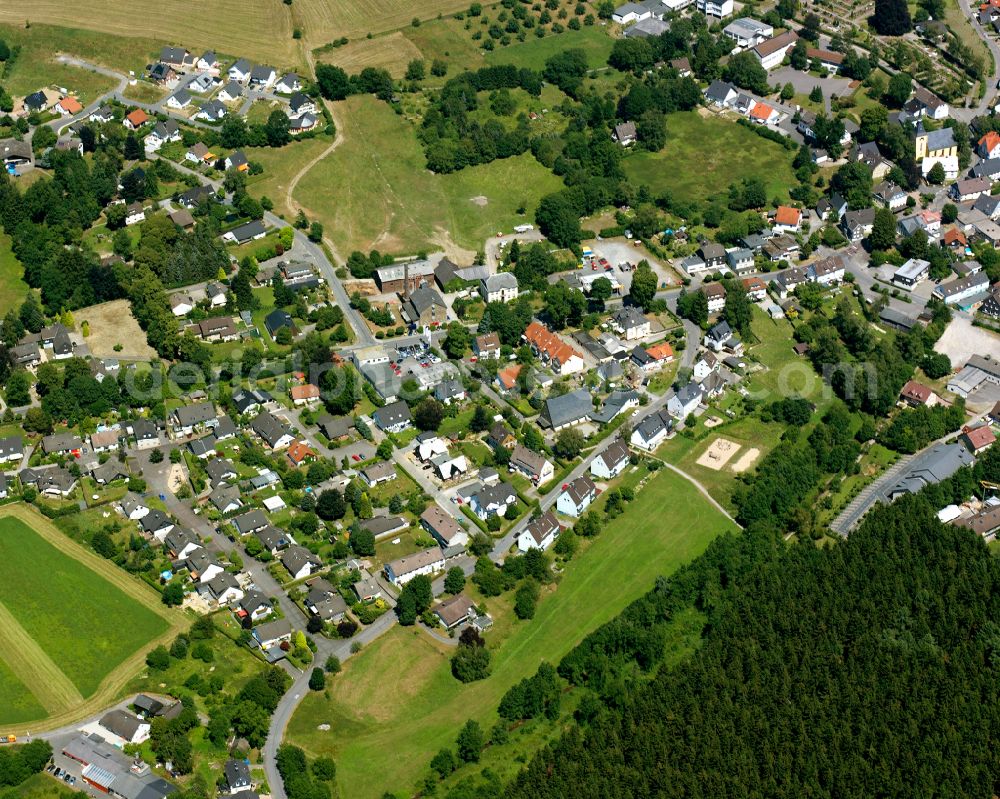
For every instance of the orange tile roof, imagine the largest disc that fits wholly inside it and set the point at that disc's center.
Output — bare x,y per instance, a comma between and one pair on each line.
662,351
299,451
508,376
549,344
954,236
137,117
308,391
762,111
786,215
917,392
70,105
754,283
991,139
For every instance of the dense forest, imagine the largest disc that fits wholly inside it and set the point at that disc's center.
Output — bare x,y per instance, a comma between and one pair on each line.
861,669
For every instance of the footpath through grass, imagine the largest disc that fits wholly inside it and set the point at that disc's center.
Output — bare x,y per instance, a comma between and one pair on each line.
82,623
704,154
396,703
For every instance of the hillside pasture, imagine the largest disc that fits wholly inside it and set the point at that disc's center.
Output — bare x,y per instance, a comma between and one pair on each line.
323,21
13,289
391,52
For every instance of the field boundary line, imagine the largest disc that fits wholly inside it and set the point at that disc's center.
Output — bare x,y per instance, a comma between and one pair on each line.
33,667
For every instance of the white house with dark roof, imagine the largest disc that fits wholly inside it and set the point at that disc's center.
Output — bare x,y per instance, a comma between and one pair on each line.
443,527
533,465
540,533
272,431
399,572
684,401
652,431
611,462
393,418
576,497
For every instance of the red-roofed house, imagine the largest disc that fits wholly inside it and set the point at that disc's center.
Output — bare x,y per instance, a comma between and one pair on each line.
300,452
787,219
305,395
662,352
954,238
507,378
755,288
988,145
978,439
829,60
560,357
69,106
135,119
916,394
763,114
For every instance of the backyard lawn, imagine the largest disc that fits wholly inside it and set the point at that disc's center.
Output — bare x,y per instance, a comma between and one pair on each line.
398,695
704,155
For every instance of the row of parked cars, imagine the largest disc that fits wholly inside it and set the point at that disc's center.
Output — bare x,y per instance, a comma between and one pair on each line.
60,774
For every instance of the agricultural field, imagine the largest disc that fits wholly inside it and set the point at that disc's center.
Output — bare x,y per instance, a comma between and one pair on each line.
392,52
259,31
398,695
374,190
68,640
704,154
13,289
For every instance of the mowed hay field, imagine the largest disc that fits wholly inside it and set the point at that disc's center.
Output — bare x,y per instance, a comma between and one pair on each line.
375,190
323,21
259,30
397,703
704,154
391,52
68,619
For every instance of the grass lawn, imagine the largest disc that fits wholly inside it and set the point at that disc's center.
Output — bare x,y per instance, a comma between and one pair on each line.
534,52
73,625
705,154
144,92
13,289
374,190
399,696
786,373
41,786
281,164
18,703
448,40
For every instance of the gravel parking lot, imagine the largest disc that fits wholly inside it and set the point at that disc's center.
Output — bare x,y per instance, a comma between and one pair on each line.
961,340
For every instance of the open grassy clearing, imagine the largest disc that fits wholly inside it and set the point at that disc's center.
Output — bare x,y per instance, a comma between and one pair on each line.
281,164
259,30
399,696
87,617
534,52
446,39
13,289
40,44
392,52
323,21
704,154
41,786
786,373
112,323
374,189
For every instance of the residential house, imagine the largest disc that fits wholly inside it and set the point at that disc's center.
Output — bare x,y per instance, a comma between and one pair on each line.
553,351
162,74
126,726
857,225
682,65
652,431
156,524
486,345
443,527
15,153
379,472
208,61
740,260
989,169
618,402
211,111
274,432
829,271
630,323
911,273
566,410
716,295
713,254
888,195
334,428
250,522
721,337
704,365
988,145
325,602
180,543
827,59
611,462
399,572
719,9
300,562
721,94
231,92
273,539
250,231
958,292
455,611
179,99
278,319
134,214
500,436
780,247
262,76
763,114
238,773
254,605
685,401
647,28
237,160
300,104
224,589
54,482
272,634
575,497
787,219
965,191
226,499
103,115
630,12
393,418
501,287
755,288
62,443
917,394
493,500
221,470
288,83
383,526
533,465
218,328
188,418
146,433
27,355
12,449
540,533
182,218
306,394
625,134
68,106
240,71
